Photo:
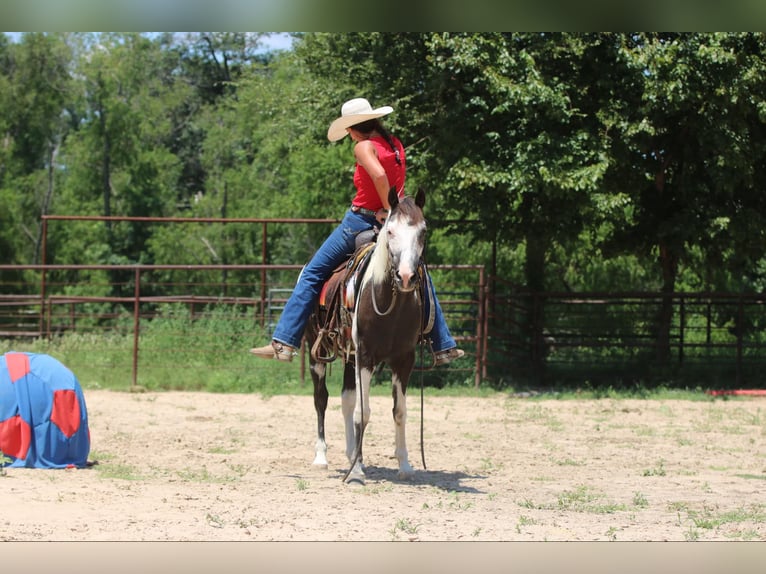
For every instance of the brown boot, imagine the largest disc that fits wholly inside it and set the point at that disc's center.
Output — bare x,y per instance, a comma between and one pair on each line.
275,350
446,357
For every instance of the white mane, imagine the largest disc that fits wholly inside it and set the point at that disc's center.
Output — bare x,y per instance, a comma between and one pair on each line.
378,267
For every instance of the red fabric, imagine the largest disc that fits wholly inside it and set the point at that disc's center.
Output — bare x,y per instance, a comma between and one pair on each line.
366,194
18,365
15,437
739,392
65,412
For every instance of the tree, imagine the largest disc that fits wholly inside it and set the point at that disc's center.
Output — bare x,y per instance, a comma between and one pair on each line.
687,138
36,87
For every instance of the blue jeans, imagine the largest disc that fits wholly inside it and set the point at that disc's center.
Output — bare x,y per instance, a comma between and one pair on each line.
336,249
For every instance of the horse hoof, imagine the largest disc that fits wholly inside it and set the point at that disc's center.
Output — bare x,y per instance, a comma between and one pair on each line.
355,481
319,465
355,478
406,474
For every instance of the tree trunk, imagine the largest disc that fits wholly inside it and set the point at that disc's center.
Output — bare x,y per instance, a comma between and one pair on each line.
52,151
669,264
534,271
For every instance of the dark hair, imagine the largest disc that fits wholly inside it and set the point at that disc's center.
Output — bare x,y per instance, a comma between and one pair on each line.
369,126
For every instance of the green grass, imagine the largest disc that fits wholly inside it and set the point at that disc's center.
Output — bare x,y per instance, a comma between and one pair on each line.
121,471
582,499
210,353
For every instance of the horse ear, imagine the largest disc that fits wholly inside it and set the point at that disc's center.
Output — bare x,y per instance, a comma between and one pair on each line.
420,198
393,197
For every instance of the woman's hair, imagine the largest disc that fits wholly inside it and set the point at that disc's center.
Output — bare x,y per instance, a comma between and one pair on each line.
369,126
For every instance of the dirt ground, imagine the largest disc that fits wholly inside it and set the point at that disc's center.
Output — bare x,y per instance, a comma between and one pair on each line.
183,466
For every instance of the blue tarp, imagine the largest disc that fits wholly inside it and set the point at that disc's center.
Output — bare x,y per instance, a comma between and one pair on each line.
43,416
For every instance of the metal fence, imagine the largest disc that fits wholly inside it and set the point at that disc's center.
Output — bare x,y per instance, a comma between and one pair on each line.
616,338
512,336
57,302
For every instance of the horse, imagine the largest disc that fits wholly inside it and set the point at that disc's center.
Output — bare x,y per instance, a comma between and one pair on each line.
377,318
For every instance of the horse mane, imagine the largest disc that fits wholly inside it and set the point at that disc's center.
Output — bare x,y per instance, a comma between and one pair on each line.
378,267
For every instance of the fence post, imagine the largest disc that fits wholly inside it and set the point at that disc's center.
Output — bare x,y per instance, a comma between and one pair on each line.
264,240
44,250
481,334
136,321
740,331
682,321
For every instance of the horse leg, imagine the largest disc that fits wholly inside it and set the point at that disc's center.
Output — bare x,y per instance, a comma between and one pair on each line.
363,376
318,376
348,403
400,376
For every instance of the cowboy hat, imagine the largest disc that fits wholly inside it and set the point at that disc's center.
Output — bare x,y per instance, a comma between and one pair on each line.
354,112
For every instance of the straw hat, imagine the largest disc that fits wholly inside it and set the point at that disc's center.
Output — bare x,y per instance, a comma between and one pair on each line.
354,112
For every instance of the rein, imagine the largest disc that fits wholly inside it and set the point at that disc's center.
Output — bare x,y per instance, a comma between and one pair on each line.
394,292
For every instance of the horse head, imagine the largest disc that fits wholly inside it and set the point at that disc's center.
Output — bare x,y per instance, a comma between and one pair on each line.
404,234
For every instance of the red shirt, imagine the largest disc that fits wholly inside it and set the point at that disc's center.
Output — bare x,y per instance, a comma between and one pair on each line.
366,194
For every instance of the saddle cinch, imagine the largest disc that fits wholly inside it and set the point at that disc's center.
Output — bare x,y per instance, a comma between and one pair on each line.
337,299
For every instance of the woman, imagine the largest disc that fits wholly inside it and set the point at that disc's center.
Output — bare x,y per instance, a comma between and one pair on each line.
380,164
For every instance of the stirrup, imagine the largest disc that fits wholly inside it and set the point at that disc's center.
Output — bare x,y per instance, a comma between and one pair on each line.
332,351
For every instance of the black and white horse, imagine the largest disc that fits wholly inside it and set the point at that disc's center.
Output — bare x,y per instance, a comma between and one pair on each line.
385,327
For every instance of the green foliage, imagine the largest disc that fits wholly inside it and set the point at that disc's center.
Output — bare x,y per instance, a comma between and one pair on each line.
552,145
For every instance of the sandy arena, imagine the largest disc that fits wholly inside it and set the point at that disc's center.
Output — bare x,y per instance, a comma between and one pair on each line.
181,466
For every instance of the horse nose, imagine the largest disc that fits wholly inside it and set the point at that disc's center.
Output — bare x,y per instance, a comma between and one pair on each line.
405,276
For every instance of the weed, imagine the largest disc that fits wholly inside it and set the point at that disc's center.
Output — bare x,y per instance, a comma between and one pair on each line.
378,488
658,470
199,474
487,465
239,469
584,499
611,533
639,500
745,535
569,462
221,450
121,471
644,431
405,526
4,460
524,521
456,504
666,411
678,506
301,484
214,520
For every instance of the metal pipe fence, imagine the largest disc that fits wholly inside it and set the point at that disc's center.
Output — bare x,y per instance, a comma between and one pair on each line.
86,300
513,336
710,338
